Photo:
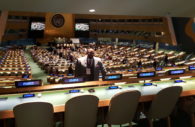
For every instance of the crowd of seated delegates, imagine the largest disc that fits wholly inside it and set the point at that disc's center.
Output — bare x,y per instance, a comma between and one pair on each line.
58,41
120,58
2,52
51,62
69,51
14,63
60,59
191,61
116,59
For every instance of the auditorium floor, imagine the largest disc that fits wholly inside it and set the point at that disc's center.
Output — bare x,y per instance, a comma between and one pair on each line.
37,72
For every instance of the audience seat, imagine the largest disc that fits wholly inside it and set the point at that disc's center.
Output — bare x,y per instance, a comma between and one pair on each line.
163,104
34,114
122,108
81,111
189,107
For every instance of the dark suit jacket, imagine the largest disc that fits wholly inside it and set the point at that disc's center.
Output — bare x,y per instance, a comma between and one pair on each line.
81,65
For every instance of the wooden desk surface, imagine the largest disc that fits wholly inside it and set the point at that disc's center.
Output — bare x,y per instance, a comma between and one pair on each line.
58,97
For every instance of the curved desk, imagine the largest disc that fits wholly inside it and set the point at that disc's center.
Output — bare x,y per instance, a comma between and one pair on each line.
59,97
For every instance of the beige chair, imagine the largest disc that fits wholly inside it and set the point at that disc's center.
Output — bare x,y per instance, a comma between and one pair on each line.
81,111
122,108
163,104
34,114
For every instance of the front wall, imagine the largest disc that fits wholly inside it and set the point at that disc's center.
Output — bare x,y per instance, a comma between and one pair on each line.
3,20
184,33
190,29
67,30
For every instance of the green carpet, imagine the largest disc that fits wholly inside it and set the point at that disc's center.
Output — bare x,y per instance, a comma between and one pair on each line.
37,72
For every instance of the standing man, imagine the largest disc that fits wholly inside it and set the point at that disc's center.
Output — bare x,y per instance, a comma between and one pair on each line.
89,67
166,60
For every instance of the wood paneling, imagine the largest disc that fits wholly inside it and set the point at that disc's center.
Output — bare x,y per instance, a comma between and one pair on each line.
189,31
28,14
67,30
134,23
138,27
92,16
17,25
11,37
171,31
3,21
50,31
121,36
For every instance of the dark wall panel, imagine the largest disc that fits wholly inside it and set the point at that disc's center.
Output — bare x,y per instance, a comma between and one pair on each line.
183,28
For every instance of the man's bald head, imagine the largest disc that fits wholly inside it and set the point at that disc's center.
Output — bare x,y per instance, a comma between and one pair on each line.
90,53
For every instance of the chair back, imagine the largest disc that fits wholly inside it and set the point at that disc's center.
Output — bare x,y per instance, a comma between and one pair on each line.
164,102
81,111
123,107
34,114
191,107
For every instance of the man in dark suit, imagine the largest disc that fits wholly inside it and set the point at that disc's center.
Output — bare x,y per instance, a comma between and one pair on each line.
166,60
89,67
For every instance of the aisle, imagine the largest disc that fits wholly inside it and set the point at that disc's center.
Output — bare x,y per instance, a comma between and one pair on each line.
37,72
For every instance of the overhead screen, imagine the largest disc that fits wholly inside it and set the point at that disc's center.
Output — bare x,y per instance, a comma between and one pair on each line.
36,27
82,28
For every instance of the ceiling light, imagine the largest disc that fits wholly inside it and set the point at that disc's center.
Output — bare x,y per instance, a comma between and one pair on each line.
92,10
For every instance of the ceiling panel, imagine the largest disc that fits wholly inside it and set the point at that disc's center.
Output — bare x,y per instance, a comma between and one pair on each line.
180,8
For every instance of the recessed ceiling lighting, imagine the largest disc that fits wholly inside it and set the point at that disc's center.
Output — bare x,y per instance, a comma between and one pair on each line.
92,10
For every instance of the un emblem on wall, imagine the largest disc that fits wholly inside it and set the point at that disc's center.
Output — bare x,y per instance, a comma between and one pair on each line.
58,20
